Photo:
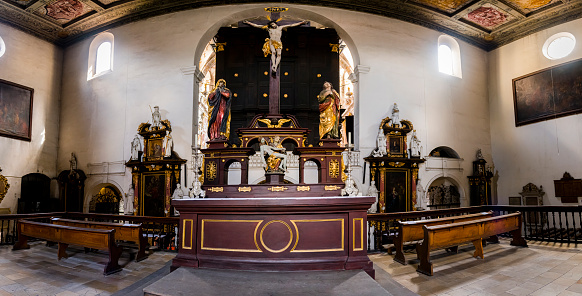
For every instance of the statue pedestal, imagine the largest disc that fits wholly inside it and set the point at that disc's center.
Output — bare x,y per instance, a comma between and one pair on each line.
274,234
274,178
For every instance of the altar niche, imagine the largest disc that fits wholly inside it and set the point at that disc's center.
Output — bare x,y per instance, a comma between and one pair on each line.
308,60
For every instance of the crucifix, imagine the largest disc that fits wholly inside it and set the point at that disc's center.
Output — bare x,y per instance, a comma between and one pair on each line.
274,47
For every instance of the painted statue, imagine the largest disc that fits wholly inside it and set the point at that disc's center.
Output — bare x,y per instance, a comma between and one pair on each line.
329,107
273,44
219,101
273,155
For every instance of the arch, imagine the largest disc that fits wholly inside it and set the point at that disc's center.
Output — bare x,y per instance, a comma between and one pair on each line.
445,152
451,178
99,40
294,12
307,167
233,169
455,55
93,189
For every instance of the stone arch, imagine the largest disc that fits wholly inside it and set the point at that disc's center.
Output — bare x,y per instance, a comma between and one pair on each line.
451,178
92,189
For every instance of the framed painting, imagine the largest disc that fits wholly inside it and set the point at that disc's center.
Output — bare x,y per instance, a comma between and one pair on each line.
153,195
155,148
549,93
396,188
395,145
15,110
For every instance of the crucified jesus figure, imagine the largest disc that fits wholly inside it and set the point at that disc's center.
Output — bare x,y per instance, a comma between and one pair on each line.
273,44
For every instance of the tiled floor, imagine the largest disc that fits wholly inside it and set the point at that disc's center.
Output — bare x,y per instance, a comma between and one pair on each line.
541,269
36,271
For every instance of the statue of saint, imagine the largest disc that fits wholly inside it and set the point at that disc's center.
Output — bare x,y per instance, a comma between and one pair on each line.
276,159
273,44
73,162
219,101
156,118
395,115
420,198
414,145
479,154
329,107
381,144
128,201
135,148
167,145
373,191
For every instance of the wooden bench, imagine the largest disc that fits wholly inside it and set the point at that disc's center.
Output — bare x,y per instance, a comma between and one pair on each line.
442,236
66,235
123,232
412,230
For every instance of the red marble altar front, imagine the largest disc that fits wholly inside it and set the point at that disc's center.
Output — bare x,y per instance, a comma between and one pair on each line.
274,234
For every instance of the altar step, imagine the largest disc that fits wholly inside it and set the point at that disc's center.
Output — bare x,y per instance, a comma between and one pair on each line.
220,282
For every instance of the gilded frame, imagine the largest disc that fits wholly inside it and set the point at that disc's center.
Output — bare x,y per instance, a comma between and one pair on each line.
4,186
15,110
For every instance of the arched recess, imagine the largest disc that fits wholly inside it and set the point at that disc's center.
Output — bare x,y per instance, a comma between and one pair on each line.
233,173
311,171
298,12
93,189
450,178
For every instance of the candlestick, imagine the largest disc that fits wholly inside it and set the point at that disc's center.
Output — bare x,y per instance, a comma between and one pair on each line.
349,138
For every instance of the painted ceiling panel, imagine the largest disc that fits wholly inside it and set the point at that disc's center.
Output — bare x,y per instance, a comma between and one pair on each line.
489,16
448,6
64,11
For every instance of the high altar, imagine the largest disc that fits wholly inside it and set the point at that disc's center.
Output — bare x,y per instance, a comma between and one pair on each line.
274,225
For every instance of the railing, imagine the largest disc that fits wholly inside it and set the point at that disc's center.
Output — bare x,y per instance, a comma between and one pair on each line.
562,224
161,232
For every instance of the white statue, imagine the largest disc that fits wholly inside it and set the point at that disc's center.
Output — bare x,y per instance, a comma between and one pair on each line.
128,201
373,191
73,161
167,145
178,194
273,153
381,144
395,115
156,118
414,145
421,202
135,148
479,154
197,191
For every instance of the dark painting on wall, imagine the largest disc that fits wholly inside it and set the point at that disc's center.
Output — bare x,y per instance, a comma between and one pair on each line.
154,192
395,188
548,93
15,110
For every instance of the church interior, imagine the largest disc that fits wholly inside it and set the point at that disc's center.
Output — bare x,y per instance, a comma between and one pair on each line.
295,136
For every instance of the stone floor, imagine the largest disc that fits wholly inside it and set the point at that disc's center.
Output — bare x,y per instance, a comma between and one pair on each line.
541,269
36,271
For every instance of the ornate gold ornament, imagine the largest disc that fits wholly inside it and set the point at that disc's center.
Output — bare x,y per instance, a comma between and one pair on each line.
278,188
216,189
276,9
244,189
334,47
334,168
3,187
269,124
218,47
303,188
396,164
211,170
332,187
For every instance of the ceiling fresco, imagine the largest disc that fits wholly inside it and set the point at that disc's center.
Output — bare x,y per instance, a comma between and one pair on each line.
487,24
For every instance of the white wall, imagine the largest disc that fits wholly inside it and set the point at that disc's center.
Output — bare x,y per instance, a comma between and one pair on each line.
540,152
100,117
34,63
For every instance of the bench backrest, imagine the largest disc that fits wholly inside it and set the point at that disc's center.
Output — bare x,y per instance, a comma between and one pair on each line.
441,236
90,238
127,232
412,230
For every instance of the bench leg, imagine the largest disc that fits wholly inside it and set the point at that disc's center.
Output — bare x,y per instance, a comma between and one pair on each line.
423,253
517,239
141,253
113,264
22,243
478,248
399,246
62,250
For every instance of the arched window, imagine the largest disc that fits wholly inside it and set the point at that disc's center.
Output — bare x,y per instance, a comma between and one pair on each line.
100,56
2,47
449,56
559,46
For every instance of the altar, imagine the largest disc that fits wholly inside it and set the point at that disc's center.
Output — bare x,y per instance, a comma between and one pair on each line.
274,234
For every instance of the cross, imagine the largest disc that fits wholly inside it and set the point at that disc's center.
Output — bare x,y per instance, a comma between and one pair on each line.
275,47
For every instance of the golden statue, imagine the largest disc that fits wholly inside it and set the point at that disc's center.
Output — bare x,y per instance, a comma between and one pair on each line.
329,108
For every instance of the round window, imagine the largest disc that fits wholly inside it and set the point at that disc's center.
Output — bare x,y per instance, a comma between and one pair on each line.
2,47
559,45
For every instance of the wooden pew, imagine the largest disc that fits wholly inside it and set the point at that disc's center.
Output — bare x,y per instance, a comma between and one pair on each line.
442,236
66,235
123,232
412,230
